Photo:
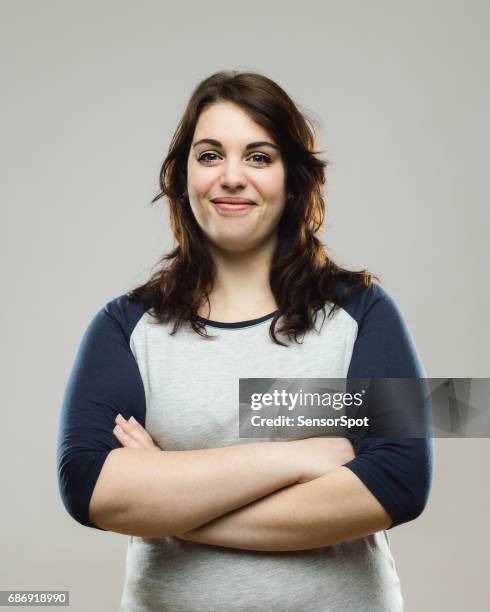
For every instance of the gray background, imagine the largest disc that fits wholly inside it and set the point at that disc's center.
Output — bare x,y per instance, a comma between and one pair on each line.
92,92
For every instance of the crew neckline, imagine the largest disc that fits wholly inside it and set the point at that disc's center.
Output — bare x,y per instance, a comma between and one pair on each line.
237,324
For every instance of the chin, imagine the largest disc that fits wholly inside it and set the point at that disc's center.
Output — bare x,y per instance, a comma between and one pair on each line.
235,243
234,246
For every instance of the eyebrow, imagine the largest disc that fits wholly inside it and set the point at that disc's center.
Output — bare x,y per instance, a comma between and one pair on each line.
251,145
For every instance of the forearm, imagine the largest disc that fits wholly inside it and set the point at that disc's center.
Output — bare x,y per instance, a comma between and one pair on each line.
157,494
334,508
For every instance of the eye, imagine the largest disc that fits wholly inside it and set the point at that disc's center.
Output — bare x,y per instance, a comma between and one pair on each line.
204,157
263,159
258,158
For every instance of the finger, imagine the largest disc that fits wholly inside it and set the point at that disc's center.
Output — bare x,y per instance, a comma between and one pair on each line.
133,429
126,440
140,430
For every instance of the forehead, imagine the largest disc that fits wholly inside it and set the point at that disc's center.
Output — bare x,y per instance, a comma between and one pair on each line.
228,122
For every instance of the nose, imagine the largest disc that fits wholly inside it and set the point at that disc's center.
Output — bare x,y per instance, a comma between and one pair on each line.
232,175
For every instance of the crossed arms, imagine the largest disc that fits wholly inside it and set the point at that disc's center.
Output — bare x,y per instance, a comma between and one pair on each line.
328,510
267,496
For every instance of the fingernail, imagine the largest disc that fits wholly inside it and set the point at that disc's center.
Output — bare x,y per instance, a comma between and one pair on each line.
120,419
118,429
133,419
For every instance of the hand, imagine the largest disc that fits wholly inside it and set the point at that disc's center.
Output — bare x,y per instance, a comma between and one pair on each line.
321,455
133,435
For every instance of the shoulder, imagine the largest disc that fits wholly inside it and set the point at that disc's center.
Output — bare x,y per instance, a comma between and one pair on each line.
385,346
120,315
373,301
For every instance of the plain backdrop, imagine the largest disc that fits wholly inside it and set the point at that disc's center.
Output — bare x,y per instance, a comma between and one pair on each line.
91,95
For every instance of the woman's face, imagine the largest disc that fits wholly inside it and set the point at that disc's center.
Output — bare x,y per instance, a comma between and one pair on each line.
231,156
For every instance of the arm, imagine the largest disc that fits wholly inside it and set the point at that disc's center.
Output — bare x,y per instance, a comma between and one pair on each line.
292,518
316,455
155,495
139,491
398,471
329,510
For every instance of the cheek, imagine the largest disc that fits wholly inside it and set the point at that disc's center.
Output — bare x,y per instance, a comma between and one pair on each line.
199,181
273,184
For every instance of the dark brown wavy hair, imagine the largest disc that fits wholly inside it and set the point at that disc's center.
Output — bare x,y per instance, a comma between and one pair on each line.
302,278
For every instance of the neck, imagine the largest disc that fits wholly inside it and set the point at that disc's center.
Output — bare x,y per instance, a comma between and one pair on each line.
241,287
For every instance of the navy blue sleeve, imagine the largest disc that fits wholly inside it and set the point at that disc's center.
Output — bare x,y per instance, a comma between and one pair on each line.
104,381
397,471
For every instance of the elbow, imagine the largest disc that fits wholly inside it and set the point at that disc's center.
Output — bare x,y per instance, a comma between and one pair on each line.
99,513
406,514
105,490
411,510
102,517
77,508
421,485
420,500
413,502
77,475
399,474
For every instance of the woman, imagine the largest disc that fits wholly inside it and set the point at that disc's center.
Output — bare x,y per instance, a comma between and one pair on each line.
217,523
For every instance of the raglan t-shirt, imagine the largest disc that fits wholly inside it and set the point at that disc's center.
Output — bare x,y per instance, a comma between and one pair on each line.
183,389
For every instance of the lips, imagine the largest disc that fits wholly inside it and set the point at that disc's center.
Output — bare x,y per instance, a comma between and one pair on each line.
234,201
233,204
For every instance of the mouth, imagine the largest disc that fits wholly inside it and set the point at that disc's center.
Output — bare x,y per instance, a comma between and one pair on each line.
233,204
